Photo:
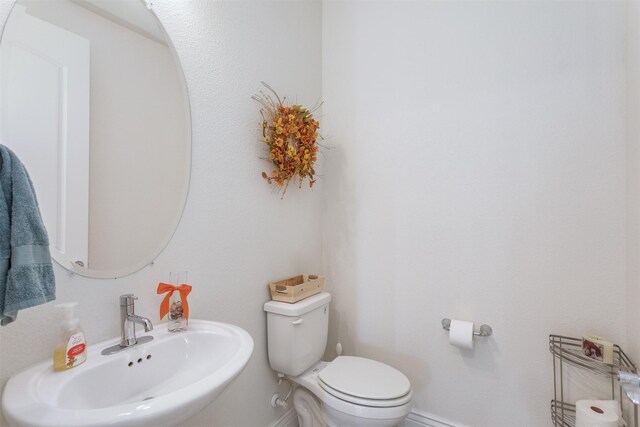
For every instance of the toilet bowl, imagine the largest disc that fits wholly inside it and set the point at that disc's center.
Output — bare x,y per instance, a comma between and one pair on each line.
346,392
372,394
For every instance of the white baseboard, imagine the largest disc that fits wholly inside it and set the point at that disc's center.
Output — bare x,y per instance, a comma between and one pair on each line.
288,419
414,419
424,419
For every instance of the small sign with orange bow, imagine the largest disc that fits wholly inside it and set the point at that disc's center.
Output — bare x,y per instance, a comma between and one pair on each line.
181,309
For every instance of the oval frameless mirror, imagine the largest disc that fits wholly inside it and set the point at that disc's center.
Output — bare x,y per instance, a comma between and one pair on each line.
94,102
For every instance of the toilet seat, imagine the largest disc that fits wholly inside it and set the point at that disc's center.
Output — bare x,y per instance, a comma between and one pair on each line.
370,412
365,382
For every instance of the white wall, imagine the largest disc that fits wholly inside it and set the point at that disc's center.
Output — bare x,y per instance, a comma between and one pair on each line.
478,173
236,234
633,177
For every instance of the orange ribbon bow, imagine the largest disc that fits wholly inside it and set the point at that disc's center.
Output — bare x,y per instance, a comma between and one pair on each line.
184,290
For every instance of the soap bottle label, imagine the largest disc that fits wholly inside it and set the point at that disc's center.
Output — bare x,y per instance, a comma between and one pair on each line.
76,350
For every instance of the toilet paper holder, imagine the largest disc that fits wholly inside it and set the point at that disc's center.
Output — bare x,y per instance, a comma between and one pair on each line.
485,330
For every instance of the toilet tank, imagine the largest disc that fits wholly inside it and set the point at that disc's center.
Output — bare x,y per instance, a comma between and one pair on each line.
297,333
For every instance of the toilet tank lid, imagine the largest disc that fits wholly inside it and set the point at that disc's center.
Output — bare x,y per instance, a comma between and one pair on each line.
299,308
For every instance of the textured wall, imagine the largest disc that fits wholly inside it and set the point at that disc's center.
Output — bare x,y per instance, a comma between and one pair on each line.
479,173
633,177
236,234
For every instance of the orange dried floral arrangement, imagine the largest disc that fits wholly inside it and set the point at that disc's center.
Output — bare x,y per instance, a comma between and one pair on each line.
291,135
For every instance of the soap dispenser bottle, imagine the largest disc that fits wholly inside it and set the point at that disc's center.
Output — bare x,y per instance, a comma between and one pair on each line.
71,350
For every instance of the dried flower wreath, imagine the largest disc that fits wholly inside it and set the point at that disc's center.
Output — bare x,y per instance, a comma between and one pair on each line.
291,134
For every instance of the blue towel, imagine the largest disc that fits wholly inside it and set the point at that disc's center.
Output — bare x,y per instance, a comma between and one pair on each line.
26,273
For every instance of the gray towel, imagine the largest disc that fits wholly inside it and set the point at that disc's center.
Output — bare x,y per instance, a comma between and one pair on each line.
26,273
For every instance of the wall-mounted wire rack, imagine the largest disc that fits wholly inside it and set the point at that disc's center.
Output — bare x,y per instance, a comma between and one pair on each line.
568,350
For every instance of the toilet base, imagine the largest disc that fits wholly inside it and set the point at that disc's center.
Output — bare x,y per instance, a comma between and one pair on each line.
309,410
340,419
312,413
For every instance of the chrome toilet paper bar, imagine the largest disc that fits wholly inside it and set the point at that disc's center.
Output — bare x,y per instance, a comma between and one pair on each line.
485,330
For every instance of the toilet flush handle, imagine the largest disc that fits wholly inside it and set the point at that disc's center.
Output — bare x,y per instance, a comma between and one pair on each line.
297,322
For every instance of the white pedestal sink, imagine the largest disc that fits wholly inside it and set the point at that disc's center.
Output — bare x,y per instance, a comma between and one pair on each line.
159,383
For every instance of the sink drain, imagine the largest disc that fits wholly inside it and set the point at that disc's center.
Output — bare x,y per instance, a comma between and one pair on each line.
147,398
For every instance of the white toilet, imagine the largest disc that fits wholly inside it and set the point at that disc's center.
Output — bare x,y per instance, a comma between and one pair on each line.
349,391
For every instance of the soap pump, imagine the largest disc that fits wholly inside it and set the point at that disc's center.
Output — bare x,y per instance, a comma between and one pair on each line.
71,350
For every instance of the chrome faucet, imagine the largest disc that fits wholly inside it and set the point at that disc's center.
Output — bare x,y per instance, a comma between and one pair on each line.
128,320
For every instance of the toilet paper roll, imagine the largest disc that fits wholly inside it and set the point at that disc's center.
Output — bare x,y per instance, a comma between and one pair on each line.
461,334
598,413
597,348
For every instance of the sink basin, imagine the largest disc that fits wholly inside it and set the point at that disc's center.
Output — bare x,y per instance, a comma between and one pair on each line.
160,383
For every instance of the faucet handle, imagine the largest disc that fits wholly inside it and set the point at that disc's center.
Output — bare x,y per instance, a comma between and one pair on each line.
127,299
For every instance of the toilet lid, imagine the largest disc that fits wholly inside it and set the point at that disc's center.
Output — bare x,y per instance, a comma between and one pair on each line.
364,378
